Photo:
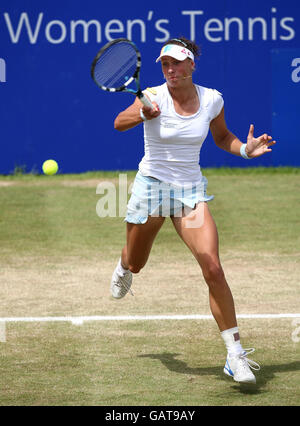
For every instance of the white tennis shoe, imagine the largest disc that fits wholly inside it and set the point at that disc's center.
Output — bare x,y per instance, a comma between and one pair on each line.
120,285
239,367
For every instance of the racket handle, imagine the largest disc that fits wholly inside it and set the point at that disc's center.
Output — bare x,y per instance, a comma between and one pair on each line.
146,101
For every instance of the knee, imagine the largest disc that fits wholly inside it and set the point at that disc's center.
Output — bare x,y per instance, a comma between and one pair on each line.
134,264
213,273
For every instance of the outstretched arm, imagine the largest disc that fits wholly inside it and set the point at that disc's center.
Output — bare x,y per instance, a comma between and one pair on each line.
131,117
226,140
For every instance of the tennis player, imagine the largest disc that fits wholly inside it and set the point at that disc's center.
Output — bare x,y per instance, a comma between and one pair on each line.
169,182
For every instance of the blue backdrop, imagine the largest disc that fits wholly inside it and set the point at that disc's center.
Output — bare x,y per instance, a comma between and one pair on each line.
50,107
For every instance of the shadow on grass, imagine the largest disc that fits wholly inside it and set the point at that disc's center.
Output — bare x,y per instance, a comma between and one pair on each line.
266,374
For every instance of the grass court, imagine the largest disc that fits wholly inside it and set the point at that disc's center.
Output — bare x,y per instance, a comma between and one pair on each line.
57,258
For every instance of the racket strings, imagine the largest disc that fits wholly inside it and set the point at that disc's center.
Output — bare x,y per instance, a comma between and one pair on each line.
116,65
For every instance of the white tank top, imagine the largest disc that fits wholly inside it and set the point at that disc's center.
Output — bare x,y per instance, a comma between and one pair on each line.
173,141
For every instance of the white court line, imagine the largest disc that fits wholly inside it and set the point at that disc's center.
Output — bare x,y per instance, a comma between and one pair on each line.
81,319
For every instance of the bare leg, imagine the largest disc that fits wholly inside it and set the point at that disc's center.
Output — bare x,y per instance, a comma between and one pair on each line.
139,243
203,242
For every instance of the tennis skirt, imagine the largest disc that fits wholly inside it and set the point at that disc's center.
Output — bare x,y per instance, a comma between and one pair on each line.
152,197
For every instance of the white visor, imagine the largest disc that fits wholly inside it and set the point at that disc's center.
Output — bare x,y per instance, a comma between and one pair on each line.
178,52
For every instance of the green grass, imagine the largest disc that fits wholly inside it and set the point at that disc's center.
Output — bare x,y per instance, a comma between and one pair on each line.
57,257
248,207
20,174
133,363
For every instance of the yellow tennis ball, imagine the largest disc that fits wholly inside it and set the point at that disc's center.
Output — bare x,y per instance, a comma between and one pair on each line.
50,167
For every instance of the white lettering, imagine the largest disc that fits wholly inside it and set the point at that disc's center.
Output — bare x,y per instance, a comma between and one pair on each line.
161,416
251,22
215,29
85,25
296,332
183,416
2,332
2,71
286,27
192,14
132,417
228,22
108,30
191,413
171,415
274,25
209,29
123,194
162,30
14,36
108,199
62,26
130,24
153,415
194,218
296,72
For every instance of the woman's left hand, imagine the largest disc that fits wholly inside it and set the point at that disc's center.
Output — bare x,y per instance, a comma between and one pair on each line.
258,146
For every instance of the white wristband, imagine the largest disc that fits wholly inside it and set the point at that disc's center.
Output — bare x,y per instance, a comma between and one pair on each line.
243,151
142,115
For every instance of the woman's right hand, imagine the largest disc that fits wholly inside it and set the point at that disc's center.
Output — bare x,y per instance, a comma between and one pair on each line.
151,113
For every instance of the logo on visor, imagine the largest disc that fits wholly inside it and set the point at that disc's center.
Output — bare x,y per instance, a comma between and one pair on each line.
166,48
186,52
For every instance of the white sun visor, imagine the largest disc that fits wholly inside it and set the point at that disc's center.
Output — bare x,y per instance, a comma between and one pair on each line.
177,52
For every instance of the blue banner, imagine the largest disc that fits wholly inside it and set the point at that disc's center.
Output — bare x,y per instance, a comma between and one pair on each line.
51,108
286,105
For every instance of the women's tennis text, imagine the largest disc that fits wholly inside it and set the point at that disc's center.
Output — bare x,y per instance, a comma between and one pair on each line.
215,29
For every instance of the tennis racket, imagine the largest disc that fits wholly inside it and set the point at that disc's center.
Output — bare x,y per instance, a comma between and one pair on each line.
116,66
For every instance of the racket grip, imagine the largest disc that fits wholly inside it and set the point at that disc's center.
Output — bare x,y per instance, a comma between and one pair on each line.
146,101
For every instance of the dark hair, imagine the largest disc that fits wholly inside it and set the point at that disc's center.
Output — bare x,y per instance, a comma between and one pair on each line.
189,44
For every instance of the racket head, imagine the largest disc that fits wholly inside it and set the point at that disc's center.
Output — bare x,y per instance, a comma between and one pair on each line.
116,65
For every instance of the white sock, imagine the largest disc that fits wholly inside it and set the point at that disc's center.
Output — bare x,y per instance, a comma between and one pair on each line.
232,342
120,270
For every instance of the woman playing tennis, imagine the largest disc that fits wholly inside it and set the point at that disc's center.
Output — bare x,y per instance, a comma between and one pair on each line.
170,183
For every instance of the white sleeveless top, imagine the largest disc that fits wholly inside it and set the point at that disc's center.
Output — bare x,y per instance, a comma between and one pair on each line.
172,141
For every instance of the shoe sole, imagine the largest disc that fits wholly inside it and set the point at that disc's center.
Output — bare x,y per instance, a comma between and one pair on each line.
252,382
